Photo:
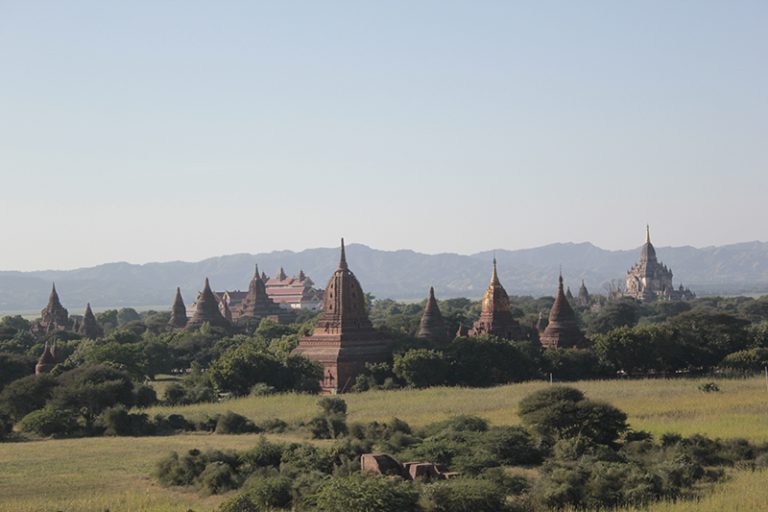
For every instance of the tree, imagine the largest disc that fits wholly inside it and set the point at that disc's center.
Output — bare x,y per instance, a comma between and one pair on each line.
421,368
621,313
92,389
14,366
238,369
561,412
487,360
126,316
27,394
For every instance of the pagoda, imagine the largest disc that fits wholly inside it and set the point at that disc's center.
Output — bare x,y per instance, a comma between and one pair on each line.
178,318
496,315
47,360
344,339
54,317
562,330
207,310
650,280
583,295
89,327
432,326
256,304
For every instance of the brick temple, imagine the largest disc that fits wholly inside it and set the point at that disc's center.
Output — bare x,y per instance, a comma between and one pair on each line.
344,339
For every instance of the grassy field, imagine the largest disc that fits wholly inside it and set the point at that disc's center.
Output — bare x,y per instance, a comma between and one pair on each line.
740,409
92,475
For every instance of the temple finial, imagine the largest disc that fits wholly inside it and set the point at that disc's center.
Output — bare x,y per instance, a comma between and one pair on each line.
494,274
256,274
647,234
343,258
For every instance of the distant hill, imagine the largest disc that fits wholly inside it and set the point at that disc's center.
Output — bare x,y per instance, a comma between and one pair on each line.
731,269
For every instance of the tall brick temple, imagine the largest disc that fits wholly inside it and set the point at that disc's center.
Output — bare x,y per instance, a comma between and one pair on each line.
562,330
344,339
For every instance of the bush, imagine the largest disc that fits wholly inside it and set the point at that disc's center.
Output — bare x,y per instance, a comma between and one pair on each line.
233,423
331,423
512,446
240,503
212,471
264,454
463,423
332,405
261,389
464,495
709,387
217,477
145,396
359,493
273,425
117,421
49,422
268,492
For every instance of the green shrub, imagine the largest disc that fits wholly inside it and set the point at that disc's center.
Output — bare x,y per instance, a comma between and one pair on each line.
512,446
463,423
360,493
269,492
50,421
117,421
145,396
464,495
240,503
274,425
262,389
264,454
233,423
217,477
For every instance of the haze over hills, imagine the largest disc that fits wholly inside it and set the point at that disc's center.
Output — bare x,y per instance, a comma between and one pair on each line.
404,274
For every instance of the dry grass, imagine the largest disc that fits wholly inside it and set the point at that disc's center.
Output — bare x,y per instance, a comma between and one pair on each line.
92,475
659,406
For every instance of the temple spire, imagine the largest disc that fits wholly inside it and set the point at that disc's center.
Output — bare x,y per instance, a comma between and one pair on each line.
494,274
256,274
647,234
343,258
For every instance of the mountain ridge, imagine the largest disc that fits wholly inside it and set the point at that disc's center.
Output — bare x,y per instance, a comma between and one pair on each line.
400,274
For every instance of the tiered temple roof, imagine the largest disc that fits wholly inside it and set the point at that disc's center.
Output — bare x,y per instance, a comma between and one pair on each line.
89,327
562,331
344,339
207,310
649,279
496,316
54,317
256,304
432,326
295,292
178,312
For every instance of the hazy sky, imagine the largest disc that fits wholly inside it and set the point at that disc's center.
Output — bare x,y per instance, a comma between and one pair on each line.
164,130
